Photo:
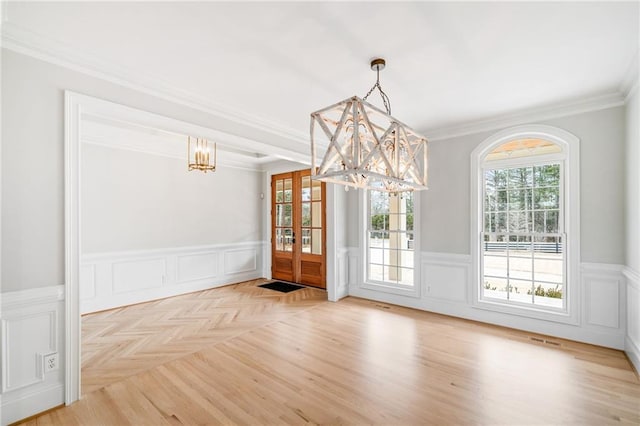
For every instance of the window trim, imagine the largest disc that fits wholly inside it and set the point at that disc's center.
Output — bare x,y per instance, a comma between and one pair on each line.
388,287
570,200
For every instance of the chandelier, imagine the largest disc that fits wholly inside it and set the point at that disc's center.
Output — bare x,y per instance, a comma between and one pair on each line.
367,147
199,153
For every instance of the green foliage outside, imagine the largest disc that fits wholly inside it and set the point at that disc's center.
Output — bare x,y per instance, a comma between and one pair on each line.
525,199
379,205
555,293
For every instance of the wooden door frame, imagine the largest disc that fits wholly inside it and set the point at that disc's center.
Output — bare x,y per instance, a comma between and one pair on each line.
297,256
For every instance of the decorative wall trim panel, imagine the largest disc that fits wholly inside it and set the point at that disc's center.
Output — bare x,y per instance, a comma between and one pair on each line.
130,277
446,276
136,275
632,338
342,267
240,260
446,280
32,326
353,266
192,267
603,290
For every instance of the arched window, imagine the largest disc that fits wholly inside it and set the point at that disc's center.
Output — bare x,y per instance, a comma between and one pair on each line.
525,222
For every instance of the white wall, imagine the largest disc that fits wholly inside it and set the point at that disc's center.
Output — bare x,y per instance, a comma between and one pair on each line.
33,223
139,201
151,229
445,212
632,269
446,281
33,166
446,220
632,155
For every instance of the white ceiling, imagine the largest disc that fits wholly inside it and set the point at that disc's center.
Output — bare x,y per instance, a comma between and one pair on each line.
447,63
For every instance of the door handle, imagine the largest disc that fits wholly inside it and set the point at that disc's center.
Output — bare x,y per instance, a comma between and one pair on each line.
293,239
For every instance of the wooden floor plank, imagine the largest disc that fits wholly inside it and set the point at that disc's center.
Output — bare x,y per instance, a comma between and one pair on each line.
246,355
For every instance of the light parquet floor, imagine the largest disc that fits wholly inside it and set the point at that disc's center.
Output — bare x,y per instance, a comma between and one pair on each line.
122,342
296,359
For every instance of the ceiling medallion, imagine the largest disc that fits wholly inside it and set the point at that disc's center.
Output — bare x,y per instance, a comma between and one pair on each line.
367,147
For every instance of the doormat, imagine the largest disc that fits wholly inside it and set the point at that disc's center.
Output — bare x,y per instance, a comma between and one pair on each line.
281,286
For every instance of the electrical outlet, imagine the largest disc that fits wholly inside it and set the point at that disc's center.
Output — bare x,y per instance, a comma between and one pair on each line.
50,362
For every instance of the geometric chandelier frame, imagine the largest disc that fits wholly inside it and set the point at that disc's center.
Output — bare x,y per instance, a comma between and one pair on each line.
367,147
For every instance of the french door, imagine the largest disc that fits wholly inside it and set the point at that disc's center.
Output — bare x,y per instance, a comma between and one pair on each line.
298,232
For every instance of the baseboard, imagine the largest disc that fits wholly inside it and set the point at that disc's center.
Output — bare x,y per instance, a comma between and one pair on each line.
447,288
633,353
462,310
632,338
14,410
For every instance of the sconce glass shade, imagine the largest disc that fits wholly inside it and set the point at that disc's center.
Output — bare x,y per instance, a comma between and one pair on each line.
366,148
200,152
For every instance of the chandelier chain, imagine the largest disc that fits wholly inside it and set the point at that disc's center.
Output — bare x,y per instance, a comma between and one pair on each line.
385,98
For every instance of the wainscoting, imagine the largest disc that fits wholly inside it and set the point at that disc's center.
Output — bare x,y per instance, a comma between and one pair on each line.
342,273
447,289
32,329
108,280
632,340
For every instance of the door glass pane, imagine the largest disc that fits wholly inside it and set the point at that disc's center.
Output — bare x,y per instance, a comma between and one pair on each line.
316,241
288,190
306,214
317,190
316,215
279,215
279,191
279,239
288,239
306,188
306,240
283,214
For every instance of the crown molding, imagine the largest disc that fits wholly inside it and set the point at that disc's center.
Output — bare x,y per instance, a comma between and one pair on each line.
526,116
629,83
31,44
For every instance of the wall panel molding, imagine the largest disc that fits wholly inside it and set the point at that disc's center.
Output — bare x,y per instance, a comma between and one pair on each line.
199,266
124,278
632,338
16,299
237,261
136,275
604,291
342,270
446,280
32,326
